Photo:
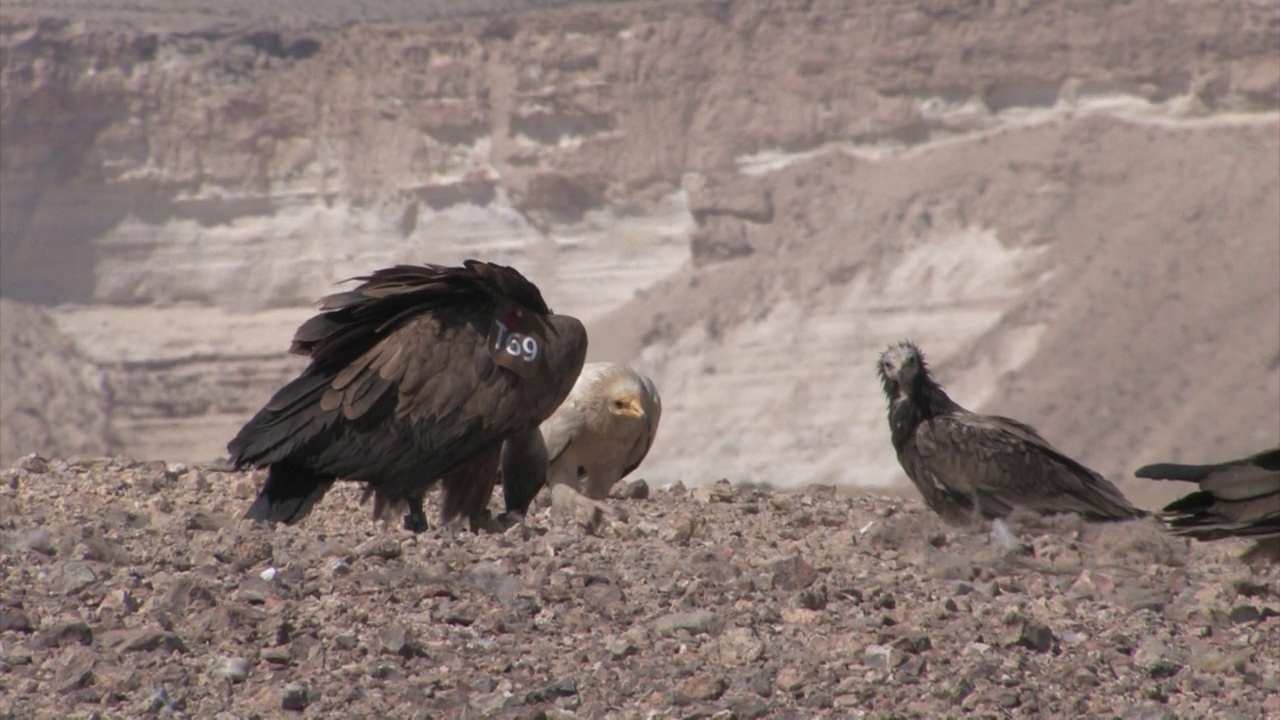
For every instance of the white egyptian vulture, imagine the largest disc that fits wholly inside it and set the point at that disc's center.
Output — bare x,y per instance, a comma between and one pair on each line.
597,436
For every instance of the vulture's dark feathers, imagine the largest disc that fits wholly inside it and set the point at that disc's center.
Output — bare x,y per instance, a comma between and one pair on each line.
404,390
970,466
1239,498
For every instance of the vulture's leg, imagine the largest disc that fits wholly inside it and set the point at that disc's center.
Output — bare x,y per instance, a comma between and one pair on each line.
416,520
480,520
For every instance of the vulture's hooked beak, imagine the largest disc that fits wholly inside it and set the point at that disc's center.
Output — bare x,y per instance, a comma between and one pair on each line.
631,406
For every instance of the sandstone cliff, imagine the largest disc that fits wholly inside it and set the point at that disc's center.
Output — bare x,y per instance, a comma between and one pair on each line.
1076,209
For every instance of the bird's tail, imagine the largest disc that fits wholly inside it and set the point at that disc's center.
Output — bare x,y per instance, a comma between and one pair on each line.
1173,471
288,495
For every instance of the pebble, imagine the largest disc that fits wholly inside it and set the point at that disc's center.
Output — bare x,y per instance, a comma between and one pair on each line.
294,696
235,669
698,621
877,656
72,577
792,573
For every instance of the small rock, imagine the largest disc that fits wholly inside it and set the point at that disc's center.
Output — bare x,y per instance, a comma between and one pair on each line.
877,656
567,687
277,656
913,644
792,573
75,671
813,598
645,529
37,540
1244,615
72,577
1248,587
790,680
160,700
698,621
703,687
1155,659
740,646
1092,583
397,640
119,600
141,640
634,490
235,669
268,575
683,532
64,634
1150,603
294,697
821,700
619,648
255,591
490,578
750,708
676,488
1008,699
204,520
345,642
1036,636
1150,711
33,463
15,619
722,491
242,550
387,548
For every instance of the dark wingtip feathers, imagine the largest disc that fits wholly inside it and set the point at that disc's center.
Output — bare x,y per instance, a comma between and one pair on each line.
288,495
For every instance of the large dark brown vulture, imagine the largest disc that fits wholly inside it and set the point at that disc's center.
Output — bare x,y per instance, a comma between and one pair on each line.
970,466
417,376
1240,498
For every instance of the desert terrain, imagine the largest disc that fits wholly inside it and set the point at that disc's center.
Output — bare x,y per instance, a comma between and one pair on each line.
130,589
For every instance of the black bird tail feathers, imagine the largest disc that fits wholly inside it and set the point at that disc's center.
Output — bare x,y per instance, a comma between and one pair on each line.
1174,471
288,494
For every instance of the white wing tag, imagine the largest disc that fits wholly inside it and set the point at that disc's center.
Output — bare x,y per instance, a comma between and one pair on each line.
515,342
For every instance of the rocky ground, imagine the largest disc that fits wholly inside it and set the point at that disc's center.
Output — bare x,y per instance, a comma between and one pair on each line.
130,589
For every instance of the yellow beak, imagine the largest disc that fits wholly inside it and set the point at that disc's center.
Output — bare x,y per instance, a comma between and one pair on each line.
633,408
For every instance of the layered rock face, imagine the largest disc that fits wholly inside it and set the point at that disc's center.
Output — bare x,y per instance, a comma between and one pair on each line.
1074,210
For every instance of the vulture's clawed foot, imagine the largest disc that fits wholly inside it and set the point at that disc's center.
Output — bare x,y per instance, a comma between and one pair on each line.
507,520
482,520
415,522
486,521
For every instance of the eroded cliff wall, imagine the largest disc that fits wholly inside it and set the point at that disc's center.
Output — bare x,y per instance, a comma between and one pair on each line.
1076,208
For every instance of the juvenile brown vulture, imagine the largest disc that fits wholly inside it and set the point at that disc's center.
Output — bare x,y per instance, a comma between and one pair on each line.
1240,498
970,466
599,435
417,376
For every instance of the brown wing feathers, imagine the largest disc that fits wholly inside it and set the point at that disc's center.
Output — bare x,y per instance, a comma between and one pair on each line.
966,464
401,390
